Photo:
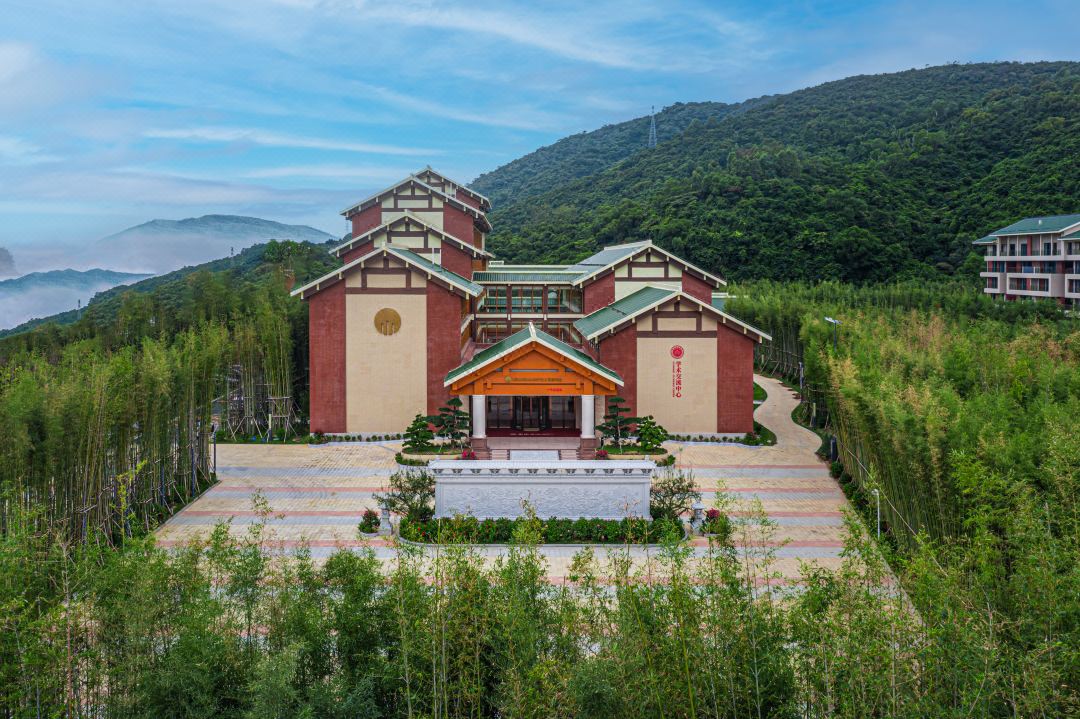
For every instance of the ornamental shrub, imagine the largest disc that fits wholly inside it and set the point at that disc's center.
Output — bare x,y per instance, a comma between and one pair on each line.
412,494
671,494
650,434
369,523
418,436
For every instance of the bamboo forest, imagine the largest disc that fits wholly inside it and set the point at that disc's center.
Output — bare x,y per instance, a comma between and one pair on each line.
956,409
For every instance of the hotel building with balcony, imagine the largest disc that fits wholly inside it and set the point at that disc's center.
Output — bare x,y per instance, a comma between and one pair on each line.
420,311
1037,257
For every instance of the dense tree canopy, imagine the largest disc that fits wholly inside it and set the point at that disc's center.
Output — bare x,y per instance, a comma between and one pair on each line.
866,179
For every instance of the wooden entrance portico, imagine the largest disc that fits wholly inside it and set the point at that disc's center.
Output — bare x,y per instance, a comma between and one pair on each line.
532,363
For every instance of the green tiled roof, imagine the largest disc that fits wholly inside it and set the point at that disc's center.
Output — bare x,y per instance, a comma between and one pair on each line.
605,257
523,337
1053,223
511,276
619,310
718,301
438,270
1074,235
988,240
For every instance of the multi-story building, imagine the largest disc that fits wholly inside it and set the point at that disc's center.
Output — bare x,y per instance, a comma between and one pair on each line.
420,311
1037,257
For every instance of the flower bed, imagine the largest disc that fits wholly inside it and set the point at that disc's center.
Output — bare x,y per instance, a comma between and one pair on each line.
470,530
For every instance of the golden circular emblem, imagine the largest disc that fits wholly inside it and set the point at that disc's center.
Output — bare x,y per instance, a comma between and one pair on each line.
387,321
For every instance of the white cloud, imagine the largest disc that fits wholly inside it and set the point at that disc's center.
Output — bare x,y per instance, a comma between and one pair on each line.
518,117
16,151
274,139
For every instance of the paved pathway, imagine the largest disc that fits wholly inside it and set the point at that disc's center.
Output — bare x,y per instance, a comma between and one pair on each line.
317,493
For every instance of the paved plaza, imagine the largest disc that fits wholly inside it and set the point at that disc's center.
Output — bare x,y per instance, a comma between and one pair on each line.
316,494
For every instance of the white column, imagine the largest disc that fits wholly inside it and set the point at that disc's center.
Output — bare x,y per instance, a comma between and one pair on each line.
588,416
479,416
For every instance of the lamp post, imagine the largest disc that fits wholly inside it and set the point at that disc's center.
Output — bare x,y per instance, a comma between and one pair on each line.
835,324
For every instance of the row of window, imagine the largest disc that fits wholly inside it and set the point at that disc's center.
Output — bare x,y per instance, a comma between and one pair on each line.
491,331
530,299
1031,284
1014,249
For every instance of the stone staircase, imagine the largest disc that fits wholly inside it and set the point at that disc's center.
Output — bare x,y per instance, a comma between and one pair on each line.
501,454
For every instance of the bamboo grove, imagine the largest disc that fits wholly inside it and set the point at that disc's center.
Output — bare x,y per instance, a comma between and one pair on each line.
107,433
223,629
961,413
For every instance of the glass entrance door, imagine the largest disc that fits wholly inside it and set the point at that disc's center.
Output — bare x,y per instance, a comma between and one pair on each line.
532,414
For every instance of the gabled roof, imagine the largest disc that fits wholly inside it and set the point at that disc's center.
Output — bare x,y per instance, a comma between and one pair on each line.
1035,225
609,257
608,320
464,206
420,264
627,308
352,241
1074,235
468,190
521,338
988,240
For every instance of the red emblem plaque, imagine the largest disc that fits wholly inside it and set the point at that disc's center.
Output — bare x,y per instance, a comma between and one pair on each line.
677,352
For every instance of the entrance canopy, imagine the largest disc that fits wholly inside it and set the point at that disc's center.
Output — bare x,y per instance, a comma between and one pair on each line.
532,362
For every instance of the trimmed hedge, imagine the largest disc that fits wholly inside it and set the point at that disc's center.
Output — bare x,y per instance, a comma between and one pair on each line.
470,530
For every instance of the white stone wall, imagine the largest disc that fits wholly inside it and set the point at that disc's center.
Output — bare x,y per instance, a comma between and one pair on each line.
601,489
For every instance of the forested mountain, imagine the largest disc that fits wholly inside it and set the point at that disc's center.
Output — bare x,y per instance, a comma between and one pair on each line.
165,245
587,153
44,293
163,304
869,178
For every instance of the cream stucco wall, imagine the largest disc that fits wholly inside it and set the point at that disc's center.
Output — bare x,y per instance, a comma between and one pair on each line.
627,287
695,409
385,375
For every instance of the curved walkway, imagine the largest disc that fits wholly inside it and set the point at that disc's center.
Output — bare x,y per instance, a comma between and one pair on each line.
317,493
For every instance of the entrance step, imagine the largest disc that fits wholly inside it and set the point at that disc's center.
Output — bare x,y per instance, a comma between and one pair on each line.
500,454
568,454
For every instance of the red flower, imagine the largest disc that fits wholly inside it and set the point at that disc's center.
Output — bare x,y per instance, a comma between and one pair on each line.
713,514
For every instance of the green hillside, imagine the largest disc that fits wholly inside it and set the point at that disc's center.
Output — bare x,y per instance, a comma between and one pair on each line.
165,304
587,153
864,179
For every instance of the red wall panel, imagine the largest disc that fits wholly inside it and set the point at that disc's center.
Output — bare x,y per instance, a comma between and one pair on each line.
600,293
366,220
455,260
734,382
443,342
326,343
619,352
695,287
458,223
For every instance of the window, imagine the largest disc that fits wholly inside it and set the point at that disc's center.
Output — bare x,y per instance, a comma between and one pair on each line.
564,300
526,299
493,302
991,283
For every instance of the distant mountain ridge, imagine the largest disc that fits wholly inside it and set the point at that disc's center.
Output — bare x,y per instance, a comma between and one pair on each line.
43,293
161,246
587,153
867,179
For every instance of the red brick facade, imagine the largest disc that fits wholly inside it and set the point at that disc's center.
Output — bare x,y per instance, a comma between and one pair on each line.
734,382
696,287
444,316
369,219
443,342
599,294
619,352
455,260
326,345
458,223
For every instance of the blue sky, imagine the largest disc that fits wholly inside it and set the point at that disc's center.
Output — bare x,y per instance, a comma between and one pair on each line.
113,113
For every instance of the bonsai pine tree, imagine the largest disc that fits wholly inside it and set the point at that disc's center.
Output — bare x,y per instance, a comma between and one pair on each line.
616,424
650,434
418,435
452,422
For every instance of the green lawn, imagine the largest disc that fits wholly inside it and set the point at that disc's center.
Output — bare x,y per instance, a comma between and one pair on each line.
759,393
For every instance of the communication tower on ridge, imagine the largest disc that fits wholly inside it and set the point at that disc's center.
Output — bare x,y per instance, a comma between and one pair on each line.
652,127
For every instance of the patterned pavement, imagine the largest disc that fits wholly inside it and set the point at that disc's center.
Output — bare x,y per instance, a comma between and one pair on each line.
316,494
